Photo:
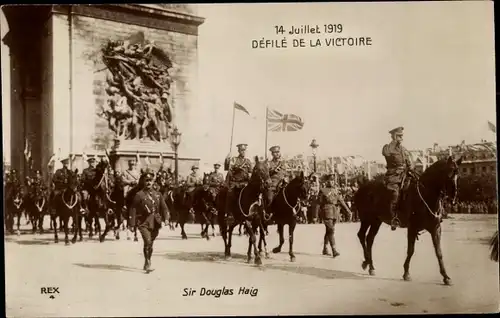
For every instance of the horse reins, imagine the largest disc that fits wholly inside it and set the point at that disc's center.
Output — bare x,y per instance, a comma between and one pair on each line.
19,200
40,207
70,206
294,208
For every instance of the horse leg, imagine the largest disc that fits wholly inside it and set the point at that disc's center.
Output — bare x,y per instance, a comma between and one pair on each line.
262,239
135,234
291,229
362,239
251,229
76,223
33,218
80,226
54,227
107,227
223,232
18,224
66,230
41,218
118,220
183,233
369,244
239,229
207,224
436,241
412,237
230,239
202,231
213,227
277,249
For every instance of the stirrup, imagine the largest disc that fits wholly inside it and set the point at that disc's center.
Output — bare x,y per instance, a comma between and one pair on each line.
395,223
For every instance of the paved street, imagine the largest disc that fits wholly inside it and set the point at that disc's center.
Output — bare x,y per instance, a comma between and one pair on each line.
106,279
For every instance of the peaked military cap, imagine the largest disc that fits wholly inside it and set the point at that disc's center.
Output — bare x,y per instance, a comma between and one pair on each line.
274,148
330,177
397,131
38,172
241,146
91,159
63,160
148,176
194,167
216,164
131,161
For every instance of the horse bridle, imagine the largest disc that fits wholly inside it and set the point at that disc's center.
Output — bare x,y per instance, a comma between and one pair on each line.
71,205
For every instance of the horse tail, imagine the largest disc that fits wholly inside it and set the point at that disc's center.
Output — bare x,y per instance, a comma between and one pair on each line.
494,247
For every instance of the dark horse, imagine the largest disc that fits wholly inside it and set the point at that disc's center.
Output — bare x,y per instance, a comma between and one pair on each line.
423,203
67,205
178,204
284,208
115,201
247,208
14,204
166,190
37,206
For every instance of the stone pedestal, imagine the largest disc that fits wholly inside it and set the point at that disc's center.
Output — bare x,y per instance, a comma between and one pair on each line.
150,154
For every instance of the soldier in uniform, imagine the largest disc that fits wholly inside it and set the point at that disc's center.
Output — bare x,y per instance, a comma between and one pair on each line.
398,163
313,195
216,180
147,211
60,179
192,181
239,171
88,175
329,201
277,173
131,176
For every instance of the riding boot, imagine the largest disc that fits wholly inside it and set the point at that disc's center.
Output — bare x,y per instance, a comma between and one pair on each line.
331,239
325,244
393,211
150,253
146,258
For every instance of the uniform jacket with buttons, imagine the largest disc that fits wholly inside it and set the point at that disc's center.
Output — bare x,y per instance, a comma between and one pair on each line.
330,201
148,209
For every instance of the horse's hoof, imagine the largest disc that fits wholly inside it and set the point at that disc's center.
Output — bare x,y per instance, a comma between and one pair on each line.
447,281
371,272
258,261
101,239
276,250
213,234
266,255
406,277
18,232
364,265
56,241
292,258
136,239
184,237
66,243
249,260
227,257
117,237
80,239
128,238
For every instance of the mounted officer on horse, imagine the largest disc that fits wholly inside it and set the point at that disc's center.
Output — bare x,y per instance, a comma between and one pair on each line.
239,171
278,176
399,165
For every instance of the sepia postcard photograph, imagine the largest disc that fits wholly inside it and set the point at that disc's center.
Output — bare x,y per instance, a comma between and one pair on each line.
249,159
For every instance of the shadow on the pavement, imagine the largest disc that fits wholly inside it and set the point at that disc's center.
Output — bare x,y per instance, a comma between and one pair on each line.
179,238
110,267
323,273
202,256
218,257
28,242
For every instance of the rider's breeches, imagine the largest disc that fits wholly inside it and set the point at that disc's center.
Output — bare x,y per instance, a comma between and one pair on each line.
329,233
190,198
148,237
394,194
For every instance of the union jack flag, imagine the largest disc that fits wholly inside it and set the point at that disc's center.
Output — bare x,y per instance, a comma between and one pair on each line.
277,121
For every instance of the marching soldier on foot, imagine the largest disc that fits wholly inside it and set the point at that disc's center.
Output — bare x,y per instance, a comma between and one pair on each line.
398,163
277,173
329,201
239,172
147,211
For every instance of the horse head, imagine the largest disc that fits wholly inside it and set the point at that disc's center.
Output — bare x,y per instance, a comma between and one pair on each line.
300,184
260,174
442,177
73,181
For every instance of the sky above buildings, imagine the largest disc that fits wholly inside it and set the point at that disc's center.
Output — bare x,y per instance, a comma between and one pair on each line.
430,68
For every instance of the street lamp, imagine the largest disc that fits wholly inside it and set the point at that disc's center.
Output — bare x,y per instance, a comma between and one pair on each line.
314,145
176,141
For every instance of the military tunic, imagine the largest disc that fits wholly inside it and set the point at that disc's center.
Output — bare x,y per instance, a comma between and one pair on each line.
192,181
398,159
329,201
240,170
130,179
60,178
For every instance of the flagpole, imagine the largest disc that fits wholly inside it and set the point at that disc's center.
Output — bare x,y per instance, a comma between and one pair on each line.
232,131
265,150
